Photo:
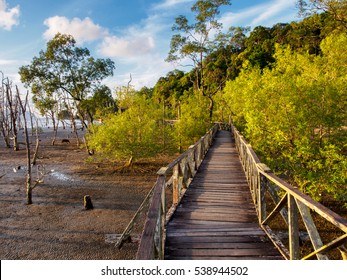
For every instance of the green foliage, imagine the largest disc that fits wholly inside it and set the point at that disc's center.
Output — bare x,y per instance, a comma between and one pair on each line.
295,113
193,121
135,133
45,104
171,87
101,104
337,9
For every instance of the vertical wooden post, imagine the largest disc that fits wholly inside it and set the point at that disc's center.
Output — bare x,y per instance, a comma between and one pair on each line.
162,219
263,183
191,161
156,254
311,229
263,188
175,185
293,228
200,152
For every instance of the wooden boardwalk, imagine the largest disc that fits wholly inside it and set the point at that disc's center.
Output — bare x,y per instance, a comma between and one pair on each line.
216,218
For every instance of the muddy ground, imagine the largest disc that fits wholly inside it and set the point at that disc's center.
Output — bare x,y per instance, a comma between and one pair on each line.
56,225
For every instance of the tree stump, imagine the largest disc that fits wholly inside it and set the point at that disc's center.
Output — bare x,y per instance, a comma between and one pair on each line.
88,205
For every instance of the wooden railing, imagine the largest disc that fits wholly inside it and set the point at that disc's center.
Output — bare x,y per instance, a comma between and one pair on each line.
177,174
274,198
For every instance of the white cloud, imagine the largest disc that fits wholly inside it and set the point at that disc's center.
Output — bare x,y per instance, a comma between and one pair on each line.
169,4
274,9
7,62
140,50
126,47
8,17
82,30
265,14
135,41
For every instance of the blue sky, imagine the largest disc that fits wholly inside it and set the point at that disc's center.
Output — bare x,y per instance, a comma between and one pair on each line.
135,34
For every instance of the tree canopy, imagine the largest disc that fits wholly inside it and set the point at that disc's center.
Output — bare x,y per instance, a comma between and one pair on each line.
67,71
294,114
197,40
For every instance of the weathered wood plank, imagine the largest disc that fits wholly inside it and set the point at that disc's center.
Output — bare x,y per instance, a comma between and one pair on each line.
311,229
221,252
147,243
216,218
293,229
211,245
216,239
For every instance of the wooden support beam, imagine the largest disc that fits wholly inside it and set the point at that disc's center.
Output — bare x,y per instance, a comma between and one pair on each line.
293,228
311,229
175,185
276,210
333,244
263,185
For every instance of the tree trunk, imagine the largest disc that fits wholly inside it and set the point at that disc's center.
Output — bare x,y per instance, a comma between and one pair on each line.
6,139
27,144
37,144
29,189
211,106
74,129
13,115
55,128
89,151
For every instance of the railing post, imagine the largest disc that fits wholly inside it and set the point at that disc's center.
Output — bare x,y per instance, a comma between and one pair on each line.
293,228
175,185
263,183
162,219
263,188
159,238
151,245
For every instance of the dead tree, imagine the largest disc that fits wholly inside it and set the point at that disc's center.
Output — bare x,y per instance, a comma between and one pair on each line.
9,113
14,111
29,184
5,125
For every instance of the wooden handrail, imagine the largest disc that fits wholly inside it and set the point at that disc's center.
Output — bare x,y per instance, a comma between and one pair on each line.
292,205
177,174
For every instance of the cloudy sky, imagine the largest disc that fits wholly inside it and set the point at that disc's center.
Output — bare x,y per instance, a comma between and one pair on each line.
134,33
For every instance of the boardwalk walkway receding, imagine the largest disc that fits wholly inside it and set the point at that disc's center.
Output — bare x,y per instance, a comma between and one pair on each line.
216,218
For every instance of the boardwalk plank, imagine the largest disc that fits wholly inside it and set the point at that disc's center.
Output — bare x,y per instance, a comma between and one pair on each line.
216,218
221,252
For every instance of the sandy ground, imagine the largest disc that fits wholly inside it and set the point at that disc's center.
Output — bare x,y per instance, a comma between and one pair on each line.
56,225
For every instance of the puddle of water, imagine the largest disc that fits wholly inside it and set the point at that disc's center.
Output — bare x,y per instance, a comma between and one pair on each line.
41,173
60,176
